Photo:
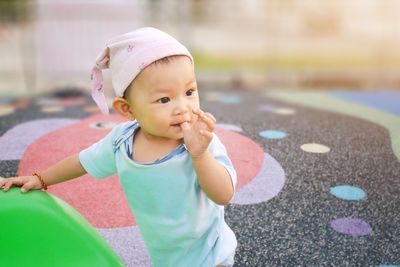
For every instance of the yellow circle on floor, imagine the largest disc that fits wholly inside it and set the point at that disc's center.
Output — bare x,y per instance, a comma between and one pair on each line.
315,148
6,109
52,109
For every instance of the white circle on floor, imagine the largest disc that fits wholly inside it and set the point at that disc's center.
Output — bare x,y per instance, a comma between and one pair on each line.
284,111
315,148
230,127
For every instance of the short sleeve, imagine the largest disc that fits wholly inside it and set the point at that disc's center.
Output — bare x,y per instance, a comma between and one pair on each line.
218,150
99,159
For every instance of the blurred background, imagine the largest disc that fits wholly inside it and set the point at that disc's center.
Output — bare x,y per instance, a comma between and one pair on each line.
242,44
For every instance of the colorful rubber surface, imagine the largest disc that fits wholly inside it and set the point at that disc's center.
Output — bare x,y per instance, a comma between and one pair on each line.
318,174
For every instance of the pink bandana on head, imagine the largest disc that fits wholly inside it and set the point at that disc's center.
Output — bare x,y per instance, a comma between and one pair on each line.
127,55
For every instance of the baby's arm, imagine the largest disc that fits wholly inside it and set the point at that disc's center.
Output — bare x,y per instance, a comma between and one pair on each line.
214,178
63,170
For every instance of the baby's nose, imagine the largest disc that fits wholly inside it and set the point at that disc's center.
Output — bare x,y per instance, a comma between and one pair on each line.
181,108
184,117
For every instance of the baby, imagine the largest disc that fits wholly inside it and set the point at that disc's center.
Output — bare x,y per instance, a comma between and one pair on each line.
174,170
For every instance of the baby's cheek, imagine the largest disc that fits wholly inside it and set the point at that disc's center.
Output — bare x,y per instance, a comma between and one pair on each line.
194,118
196,102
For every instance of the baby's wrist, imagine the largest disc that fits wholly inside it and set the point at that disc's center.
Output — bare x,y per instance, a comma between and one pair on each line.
200,156
40,180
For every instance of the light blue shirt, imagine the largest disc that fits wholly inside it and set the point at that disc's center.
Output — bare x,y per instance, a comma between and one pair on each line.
181,226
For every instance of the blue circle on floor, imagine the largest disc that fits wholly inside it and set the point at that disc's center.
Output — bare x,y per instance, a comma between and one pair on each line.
348,192
230,99
272,134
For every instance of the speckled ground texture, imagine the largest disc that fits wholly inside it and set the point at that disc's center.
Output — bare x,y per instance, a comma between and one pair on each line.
293,228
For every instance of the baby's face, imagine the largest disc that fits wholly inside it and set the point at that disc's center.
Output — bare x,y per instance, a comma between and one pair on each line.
163,96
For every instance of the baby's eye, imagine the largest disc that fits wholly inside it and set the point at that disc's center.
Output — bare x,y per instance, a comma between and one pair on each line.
163,100
189,92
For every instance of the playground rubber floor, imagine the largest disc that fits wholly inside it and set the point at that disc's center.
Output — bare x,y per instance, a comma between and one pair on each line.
319,171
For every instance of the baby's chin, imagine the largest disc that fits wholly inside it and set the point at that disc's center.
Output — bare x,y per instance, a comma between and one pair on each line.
177,133
180,136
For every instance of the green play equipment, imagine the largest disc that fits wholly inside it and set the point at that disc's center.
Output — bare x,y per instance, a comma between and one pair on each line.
39,229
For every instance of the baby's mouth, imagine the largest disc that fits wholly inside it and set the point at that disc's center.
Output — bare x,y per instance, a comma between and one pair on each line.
178,124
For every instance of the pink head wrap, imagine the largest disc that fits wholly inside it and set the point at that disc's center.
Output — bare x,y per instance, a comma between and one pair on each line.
127,55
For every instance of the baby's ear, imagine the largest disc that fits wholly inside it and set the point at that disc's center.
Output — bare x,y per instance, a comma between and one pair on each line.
123,108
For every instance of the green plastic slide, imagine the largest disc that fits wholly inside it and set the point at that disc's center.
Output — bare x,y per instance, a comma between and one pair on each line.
39,229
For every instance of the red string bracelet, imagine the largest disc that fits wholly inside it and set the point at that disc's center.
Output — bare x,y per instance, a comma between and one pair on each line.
44,186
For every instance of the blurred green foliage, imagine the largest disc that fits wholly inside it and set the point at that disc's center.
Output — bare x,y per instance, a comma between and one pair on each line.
13,10
294,62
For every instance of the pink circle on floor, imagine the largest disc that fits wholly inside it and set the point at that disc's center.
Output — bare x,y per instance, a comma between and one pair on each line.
102,202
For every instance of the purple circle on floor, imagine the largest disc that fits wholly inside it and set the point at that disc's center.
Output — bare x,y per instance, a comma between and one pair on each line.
351,226
266,107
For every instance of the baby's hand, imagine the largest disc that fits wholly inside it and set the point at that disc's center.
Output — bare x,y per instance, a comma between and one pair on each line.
198,135
26,182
